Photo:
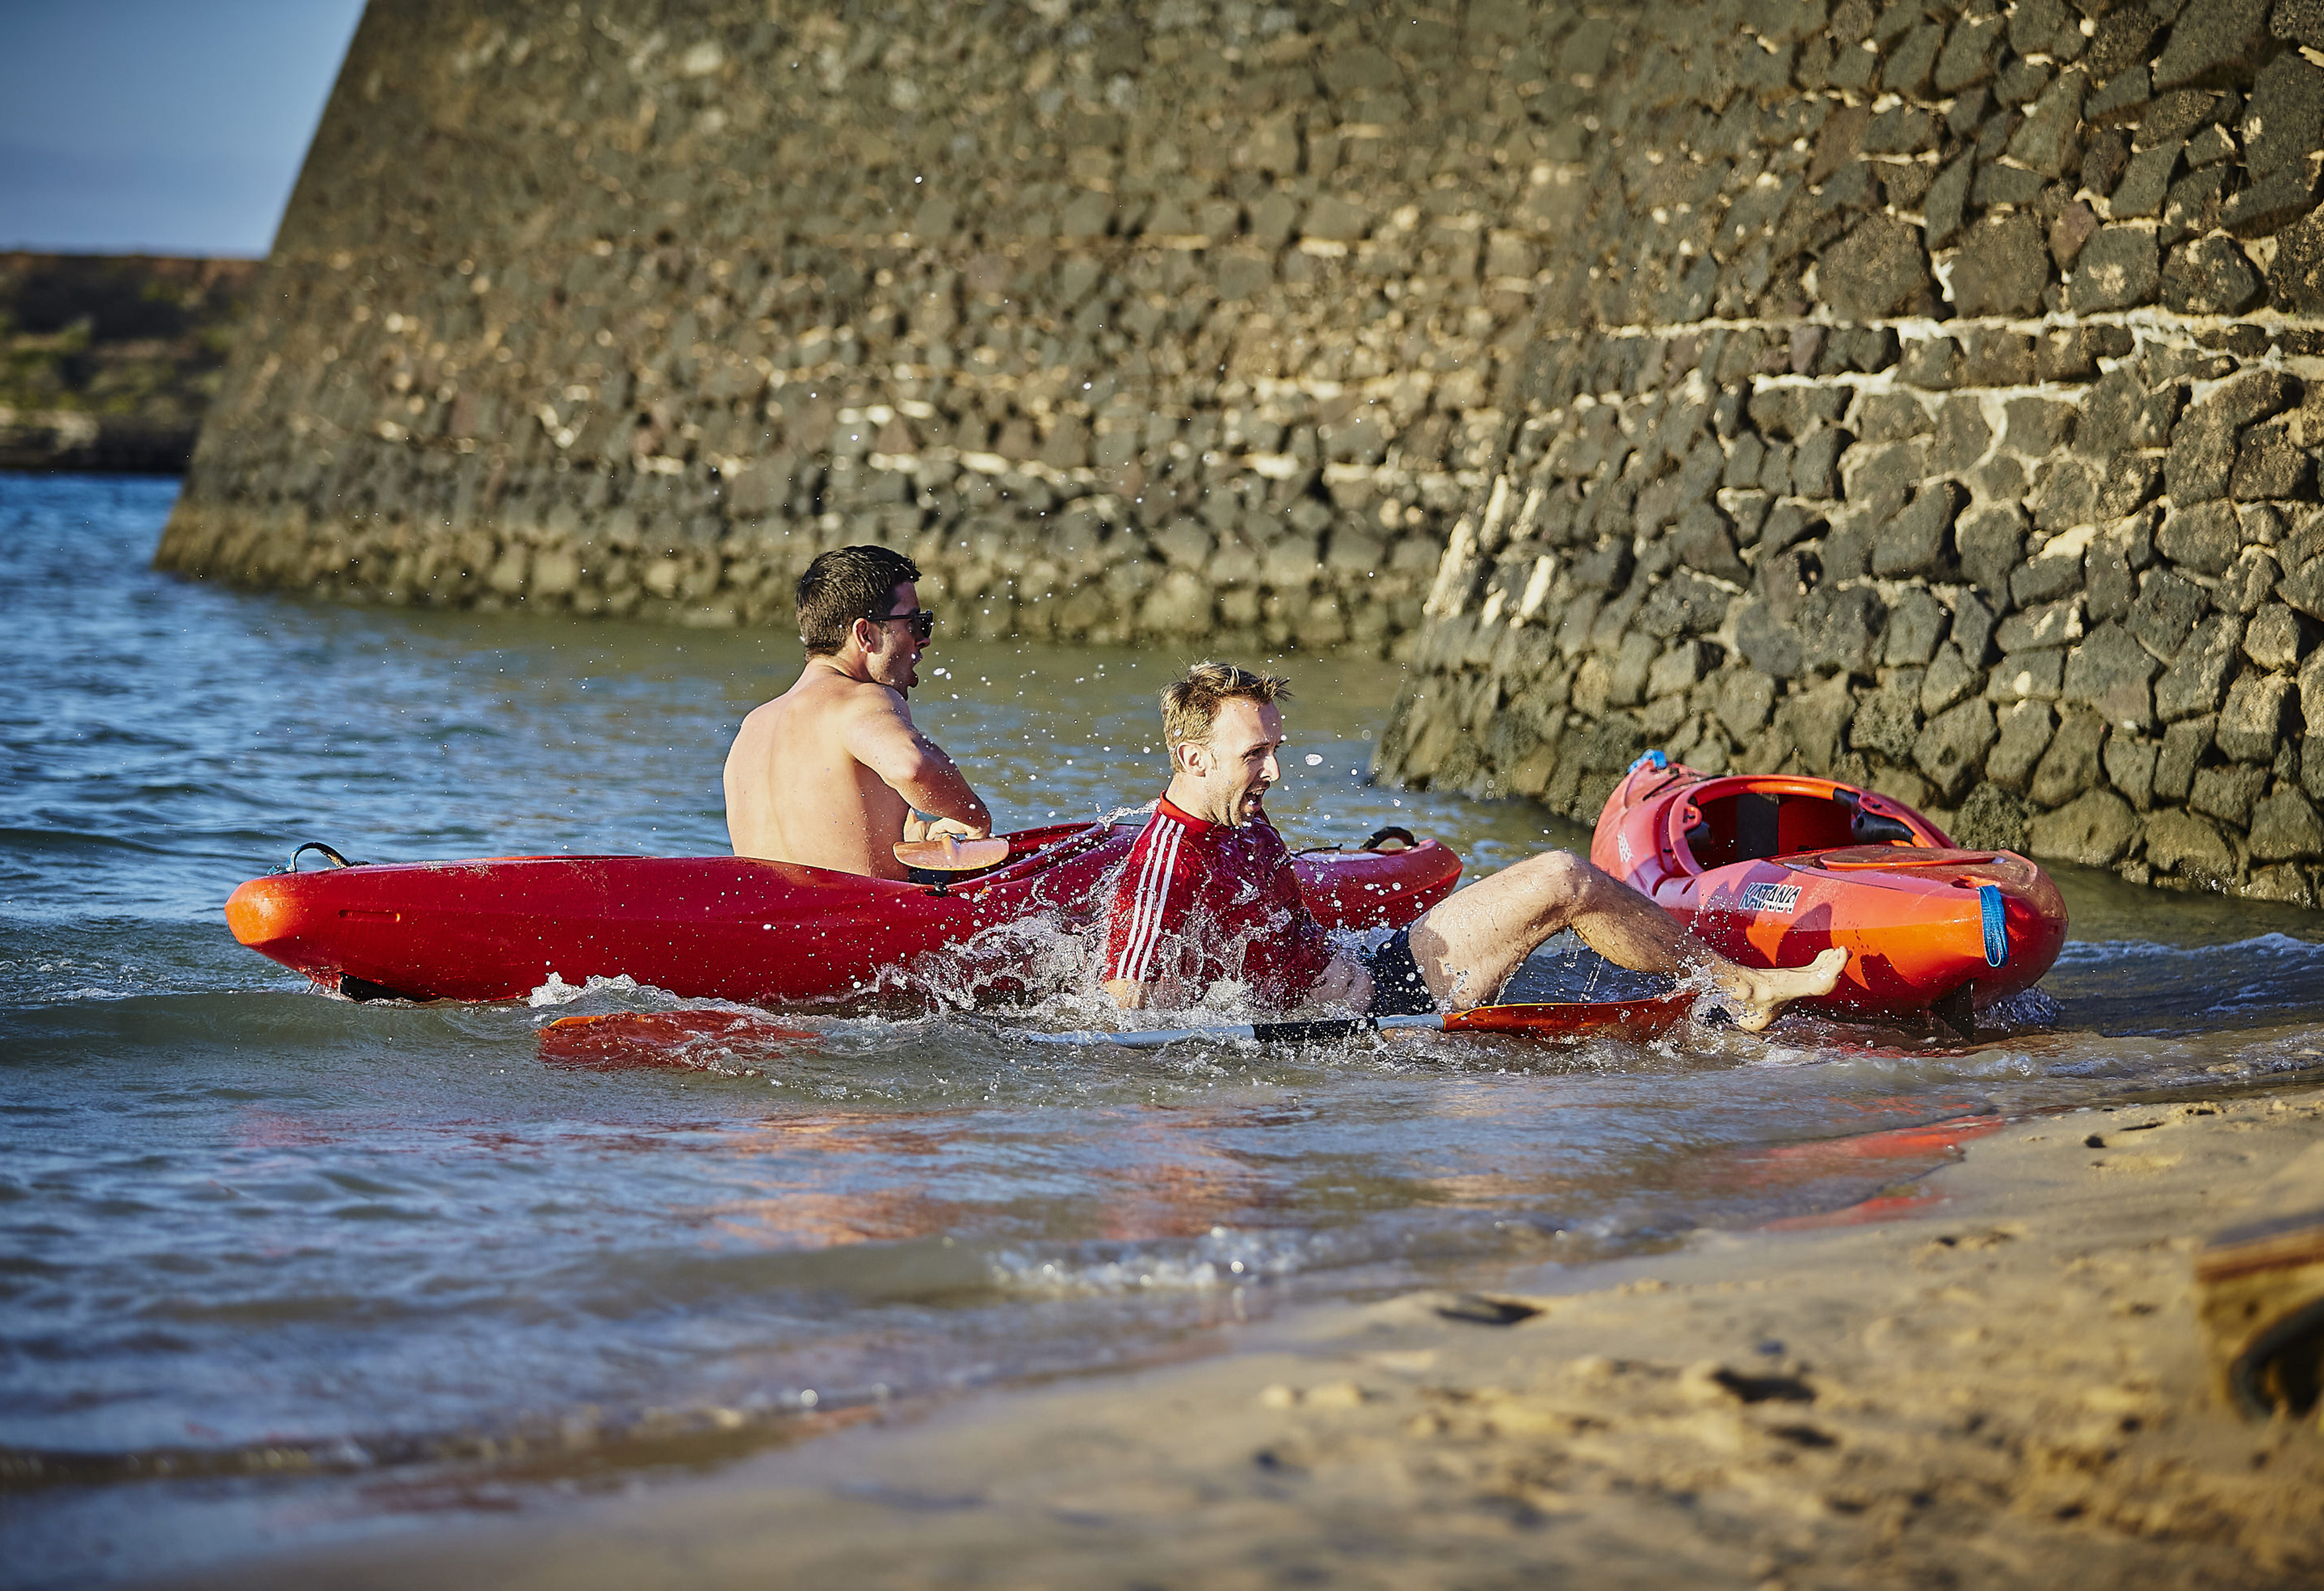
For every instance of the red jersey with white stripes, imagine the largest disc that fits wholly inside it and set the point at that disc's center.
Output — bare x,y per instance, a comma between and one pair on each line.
1200,903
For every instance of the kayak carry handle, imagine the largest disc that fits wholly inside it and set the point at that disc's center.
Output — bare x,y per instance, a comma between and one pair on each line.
315,845
1381,836
1873,829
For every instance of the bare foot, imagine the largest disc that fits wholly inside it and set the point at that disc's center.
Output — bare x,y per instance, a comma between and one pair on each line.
1758,993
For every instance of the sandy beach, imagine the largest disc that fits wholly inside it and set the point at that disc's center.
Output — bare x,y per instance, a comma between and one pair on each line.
1999,1381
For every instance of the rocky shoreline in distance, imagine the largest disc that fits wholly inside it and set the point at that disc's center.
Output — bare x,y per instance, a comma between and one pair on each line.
107,362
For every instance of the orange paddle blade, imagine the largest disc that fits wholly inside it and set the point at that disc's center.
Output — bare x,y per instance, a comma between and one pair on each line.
622,1038
949,853
1578,1019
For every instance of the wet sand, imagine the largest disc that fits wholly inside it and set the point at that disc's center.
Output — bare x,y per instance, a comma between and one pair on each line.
1999,1383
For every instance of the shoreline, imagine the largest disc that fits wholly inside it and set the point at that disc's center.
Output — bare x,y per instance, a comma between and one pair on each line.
2003,1383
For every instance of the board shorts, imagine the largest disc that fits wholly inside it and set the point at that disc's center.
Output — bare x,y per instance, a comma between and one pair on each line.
1397,987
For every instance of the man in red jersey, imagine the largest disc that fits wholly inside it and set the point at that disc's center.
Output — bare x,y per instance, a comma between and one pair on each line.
1208,894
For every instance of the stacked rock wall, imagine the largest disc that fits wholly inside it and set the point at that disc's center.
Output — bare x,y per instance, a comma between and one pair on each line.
1180,320
1928,395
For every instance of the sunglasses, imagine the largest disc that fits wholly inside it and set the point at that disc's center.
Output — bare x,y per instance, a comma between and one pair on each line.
923,622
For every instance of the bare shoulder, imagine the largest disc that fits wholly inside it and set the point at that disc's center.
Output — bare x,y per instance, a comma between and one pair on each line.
869,699
763,721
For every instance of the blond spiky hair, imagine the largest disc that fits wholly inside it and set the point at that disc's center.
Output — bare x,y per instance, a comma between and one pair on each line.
1189,706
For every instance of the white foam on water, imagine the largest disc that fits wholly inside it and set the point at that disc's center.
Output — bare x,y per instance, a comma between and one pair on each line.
558,991
2088,952
1222,1258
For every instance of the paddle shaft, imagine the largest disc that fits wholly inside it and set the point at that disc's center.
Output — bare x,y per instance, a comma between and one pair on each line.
1576,1019
1321,1030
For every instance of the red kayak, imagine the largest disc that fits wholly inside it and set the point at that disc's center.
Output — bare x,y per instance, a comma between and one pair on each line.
1771,870
765,933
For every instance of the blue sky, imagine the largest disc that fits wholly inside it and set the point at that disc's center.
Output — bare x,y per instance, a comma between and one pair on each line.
170,126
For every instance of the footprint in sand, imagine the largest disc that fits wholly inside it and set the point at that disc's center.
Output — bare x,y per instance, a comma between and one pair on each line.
2135,1165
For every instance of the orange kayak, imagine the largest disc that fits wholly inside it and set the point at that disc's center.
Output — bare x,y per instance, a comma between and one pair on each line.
1770,870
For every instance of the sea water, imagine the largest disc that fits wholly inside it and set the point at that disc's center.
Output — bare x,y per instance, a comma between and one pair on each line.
276,1266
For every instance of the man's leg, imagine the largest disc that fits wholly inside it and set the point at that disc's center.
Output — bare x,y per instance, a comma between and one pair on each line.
1471,945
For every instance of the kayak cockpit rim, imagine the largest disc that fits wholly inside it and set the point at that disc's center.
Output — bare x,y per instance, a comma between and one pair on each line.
1767,817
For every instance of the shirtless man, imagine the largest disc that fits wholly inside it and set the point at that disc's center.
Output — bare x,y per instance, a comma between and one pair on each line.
831,772
1208,894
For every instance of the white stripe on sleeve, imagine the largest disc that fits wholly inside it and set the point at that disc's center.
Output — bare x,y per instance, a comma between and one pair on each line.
1152,897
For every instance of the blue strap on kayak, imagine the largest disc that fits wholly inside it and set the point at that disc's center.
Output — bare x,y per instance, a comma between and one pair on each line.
1655,760
1989,901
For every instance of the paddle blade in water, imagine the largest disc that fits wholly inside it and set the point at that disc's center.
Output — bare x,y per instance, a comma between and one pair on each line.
619,1040
950,854
1572,1021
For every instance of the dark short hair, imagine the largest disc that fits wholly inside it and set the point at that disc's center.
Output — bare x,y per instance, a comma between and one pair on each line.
845,585
1189,705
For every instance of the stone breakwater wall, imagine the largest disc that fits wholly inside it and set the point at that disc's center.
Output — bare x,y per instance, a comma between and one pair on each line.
1177,321
1928,396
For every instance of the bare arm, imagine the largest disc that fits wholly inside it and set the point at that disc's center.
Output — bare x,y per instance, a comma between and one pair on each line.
882,737
1345,983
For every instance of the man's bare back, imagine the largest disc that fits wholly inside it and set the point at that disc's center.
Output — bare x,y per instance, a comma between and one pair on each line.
828,773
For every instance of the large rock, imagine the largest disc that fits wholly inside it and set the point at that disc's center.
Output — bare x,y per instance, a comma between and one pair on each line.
1768,643
1686,604
2299,21
2213,42
2145,182
2025,730
2285,828
1918,541
2269,203
2027,676
2194,684
1951,678
2303,588
1815,720
2184,746
2277,637
1876,271
1917,623
2118,45
2120,415
2111,672
1990,819
1947,200
2167,608
2003,266
1951,748
2182,842
2271,463
2252,725
2071,765
2228,792
1991,543
2054,624
2252,396
2211,276
2048,142
1888,719
2117,269
2094,829
1968,57
1842,629
2202,457
2130,768
2203,537
1744,702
